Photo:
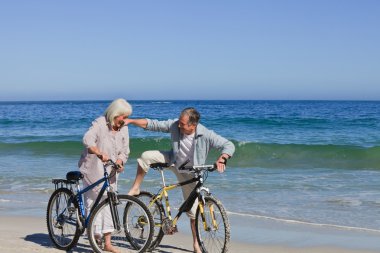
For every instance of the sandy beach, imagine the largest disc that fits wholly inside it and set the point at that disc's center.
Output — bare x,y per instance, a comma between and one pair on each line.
29,234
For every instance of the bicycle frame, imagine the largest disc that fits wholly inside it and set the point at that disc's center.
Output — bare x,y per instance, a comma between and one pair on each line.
188,203
78,196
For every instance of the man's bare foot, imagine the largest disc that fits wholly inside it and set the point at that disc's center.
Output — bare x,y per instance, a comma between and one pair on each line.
134,192
110,248
197,249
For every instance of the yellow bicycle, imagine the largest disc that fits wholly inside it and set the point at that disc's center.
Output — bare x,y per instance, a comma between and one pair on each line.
211,221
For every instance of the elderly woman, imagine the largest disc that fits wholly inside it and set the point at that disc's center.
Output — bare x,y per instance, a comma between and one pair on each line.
106,139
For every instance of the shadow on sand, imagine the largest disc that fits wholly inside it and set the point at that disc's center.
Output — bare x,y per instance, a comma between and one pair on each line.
44,241
169,249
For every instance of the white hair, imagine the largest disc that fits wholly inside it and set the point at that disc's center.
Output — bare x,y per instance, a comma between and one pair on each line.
116,108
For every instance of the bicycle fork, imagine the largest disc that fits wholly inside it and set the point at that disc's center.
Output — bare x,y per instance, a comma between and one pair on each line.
113,202
202,206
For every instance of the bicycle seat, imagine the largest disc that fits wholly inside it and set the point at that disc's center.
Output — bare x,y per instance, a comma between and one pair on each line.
74,175
159,165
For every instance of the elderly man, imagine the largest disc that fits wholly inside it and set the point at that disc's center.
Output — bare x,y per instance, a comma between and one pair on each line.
191,141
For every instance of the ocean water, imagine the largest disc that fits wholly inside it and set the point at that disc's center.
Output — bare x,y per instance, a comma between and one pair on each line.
313,162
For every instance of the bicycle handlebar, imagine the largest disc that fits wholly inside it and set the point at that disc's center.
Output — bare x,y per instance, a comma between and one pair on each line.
114,165
109,163
196,168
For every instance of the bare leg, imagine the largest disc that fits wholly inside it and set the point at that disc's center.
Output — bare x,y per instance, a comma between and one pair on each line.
107,244
140,174
197,249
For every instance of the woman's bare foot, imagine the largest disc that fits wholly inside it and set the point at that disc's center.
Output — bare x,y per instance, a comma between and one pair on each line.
99,241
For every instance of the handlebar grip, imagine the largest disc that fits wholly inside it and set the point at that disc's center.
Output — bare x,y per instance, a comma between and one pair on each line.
213,168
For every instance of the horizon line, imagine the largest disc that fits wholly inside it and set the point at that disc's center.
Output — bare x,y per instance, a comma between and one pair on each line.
107,100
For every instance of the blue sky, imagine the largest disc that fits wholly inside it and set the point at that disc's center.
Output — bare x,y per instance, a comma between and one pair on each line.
69,50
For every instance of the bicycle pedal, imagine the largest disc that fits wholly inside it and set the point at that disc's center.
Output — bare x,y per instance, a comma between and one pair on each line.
167,227
172,230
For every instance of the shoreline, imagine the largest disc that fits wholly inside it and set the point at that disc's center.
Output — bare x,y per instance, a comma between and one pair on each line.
29,234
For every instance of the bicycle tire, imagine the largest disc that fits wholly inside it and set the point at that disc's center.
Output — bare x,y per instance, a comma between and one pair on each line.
213,238
138,213
61,219
157,211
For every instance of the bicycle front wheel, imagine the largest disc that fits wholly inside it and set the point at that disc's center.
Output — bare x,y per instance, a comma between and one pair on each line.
61,219
212,226
101,226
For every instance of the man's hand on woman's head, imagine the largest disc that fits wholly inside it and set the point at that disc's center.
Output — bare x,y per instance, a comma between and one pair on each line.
127,121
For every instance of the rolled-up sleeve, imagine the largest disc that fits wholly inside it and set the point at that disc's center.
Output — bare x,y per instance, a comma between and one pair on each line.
90,138
159,126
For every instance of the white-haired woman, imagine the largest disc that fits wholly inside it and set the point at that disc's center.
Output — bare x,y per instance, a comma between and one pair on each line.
106,139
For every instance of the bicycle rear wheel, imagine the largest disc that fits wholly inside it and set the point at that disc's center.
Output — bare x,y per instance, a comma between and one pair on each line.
61,219
157,211
137,221
213,232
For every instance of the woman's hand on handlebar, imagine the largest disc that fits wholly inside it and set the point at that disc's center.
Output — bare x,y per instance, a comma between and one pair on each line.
116,166
120,166
103,157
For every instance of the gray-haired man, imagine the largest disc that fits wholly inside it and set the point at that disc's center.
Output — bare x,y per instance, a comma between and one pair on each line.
190,140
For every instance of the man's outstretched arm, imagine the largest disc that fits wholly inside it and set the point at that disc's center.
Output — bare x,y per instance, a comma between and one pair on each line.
143,123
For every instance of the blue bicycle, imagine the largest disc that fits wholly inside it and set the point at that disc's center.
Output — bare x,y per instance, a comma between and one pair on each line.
125,217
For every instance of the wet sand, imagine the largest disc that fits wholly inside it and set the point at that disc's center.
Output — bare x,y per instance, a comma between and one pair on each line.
29,234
